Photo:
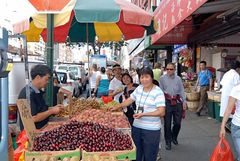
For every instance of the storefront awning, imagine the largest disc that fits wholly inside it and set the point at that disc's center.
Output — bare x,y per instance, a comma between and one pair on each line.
137,48
171,13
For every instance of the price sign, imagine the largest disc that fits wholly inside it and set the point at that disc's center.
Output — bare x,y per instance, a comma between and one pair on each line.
27,120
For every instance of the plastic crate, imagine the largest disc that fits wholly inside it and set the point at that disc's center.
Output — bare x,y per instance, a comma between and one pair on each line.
211,109
217,111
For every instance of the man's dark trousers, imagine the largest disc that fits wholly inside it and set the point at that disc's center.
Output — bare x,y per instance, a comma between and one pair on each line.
173,112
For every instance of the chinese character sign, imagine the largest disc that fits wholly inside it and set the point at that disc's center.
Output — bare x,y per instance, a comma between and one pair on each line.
172,12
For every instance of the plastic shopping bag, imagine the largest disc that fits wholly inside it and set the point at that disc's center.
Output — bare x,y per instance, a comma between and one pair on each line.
106,99
222,152
19,152
22,138
22,141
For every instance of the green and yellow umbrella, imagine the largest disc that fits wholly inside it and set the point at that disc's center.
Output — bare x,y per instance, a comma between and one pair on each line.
84,20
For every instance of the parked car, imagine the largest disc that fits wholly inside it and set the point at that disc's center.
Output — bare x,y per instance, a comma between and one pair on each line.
78,71
61,67
68,81
80,74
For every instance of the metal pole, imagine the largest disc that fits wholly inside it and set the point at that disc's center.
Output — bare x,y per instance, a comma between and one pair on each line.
88,59
4,117
50,34
26,67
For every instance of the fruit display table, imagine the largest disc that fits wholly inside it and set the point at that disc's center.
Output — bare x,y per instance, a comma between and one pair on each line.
88,134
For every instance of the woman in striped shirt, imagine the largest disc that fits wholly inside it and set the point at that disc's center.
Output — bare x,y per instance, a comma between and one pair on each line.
150,106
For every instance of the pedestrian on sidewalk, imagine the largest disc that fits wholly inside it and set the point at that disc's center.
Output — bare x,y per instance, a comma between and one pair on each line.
102,84
109,74
172,86
205,82
150,107
229,80
92,78
116,87
233,102
157,72
135,75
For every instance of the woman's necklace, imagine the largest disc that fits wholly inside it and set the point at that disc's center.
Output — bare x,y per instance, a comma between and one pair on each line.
140,109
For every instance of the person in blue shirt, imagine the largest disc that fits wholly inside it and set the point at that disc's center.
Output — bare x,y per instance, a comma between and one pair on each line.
205,82
102,84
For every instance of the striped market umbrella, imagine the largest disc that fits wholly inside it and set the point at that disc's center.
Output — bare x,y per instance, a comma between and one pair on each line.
84,20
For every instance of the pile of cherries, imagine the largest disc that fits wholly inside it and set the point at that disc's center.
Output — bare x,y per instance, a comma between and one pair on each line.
87,136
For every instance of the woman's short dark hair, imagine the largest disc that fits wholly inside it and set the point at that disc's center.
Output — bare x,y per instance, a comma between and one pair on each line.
146,71
126,74
155,82
235,65
103,70
41,70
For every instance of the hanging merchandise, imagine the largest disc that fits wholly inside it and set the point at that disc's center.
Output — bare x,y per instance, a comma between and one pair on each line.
185,57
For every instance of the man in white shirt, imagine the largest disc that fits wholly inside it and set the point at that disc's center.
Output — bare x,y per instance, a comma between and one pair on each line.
116,87
229,80
234,101
93,77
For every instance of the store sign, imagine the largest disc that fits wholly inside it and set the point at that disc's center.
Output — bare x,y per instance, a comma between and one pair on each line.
178,48
178,35
170,13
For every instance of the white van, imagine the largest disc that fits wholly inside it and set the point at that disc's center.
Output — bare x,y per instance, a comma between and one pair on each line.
80,74
78,71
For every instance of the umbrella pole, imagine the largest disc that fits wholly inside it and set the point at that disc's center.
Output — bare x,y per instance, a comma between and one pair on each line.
50,23
88,53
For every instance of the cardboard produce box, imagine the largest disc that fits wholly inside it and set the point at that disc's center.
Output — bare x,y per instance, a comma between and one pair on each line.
111,155
210,95
73,155
217,97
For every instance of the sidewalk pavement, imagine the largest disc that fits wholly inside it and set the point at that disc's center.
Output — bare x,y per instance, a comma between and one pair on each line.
197,139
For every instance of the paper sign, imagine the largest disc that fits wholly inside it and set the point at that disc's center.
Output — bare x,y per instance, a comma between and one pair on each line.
27,120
